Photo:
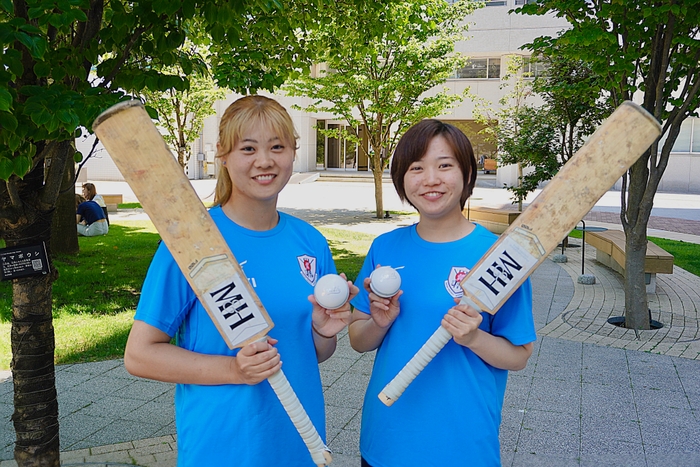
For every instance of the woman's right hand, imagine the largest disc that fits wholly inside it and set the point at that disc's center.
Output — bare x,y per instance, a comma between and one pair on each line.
383,310
257,361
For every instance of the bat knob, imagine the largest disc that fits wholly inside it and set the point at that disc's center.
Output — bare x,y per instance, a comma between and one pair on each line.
331,291
385,281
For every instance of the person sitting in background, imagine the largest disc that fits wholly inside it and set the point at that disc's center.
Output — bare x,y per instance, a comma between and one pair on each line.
90,194
90,218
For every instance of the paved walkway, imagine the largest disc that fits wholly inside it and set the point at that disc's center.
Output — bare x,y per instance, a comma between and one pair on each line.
591,395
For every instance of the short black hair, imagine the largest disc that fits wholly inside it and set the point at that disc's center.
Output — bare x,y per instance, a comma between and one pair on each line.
414,144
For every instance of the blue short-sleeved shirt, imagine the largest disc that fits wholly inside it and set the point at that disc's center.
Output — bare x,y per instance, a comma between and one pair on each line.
450,414
241,425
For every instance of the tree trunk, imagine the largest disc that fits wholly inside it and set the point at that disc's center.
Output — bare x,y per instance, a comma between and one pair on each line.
35,417
64,235
378,173
181,153
36,407
636,305
635,221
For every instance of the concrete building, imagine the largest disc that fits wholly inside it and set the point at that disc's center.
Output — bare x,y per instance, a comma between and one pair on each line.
494,36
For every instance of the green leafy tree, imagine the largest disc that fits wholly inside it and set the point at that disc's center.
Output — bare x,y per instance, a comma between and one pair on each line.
502,125
540,139
379,66
649,50
573,100
527,137
182,113
65,61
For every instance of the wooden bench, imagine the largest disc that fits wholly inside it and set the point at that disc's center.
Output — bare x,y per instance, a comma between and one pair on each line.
496,220
610,250
112,201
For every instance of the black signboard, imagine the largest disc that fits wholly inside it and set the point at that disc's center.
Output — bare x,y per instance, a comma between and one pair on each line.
23,261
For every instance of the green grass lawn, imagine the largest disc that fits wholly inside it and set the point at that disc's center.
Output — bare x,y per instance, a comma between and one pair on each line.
95,295
97,291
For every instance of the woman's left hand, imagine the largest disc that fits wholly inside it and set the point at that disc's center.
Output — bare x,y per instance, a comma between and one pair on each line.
462,321
327,322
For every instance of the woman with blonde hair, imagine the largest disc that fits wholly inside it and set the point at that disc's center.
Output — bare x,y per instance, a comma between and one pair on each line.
226,413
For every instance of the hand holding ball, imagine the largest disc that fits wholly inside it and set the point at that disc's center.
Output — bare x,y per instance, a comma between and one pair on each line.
385,281
331,291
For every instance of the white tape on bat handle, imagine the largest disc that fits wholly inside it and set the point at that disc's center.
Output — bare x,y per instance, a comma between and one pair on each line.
408,373
420,360
319,451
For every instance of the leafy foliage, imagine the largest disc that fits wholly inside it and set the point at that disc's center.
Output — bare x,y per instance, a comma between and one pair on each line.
645,49
378,66
540,139
182,113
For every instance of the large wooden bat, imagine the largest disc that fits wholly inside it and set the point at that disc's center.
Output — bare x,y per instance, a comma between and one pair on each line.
607,154
167,196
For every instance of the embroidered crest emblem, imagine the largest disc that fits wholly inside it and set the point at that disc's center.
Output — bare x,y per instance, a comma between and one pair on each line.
457,273
307,266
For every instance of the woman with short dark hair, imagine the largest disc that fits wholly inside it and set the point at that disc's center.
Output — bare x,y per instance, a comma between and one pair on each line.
451,413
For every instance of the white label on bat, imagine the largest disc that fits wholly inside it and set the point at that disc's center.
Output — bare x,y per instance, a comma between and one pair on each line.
500,272
234,309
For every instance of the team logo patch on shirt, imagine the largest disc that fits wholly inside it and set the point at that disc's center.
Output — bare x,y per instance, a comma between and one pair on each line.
307,266
457,273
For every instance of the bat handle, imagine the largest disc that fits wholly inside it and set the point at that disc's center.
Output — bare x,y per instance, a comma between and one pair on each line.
408,373
319,451
425,354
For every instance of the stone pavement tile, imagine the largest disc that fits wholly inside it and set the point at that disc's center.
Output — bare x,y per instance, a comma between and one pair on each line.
538,459
341,417
556,395
673,459
144,390
622,455
667,436
346,442
597,430
76,427
550,434
608,402
347,391
121,431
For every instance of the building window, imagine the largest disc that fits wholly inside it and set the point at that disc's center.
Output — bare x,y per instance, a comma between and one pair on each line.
524,2
688,140
532,68
480,68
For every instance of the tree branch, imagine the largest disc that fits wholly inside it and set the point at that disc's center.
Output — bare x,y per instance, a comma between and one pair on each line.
127,50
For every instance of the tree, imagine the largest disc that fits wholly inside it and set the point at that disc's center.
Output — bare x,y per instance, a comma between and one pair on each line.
544,137
650,51
379,67
502,127
527,137
182,113
65,61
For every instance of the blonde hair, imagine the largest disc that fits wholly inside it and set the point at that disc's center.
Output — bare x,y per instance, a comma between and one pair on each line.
238,117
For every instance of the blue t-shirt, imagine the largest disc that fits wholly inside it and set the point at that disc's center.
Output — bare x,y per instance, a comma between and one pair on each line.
242,425
451,412
90,212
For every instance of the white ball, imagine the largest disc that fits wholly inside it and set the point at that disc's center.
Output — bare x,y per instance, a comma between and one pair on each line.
385,281
331,291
